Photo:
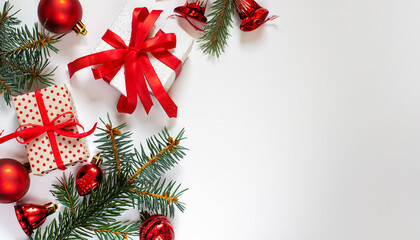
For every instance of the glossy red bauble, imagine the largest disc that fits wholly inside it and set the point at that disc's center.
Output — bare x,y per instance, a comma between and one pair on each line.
89,177
31,216
157,227
61,16
14,180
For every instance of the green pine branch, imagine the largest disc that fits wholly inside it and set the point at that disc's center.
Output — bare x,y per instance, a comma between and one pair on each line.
138,183
214,40
24,55
160,197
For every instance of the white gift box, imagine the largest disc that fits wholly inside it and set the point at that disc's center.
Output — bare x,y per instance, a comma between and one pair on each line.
122,27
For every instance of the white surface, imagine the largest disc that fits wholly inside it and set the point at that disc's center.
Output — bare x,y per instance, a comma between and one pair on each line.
305,129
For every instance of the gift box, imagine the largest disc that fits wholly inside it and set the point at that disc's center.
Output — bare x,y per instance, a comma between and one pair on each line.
122,27
49,129
136,59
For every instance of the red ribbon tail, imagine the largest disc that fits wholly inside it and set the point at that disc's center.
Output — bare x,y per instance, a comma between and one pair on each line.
85,134
143,91
7,137
126,106
76,135
158,90
96,58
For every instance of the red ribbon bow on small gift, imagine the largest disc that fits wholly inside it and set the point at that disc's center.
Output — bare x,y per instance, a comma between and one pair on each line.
29,132
136,62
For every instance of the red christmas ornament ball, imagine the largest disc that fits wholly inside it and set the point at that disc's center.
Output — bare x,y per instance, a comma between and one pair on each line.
157,227
14,180
59,16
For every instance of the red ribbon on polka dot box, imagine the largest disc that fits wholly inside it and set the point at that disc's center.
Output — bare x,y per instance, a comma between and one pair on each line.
49,129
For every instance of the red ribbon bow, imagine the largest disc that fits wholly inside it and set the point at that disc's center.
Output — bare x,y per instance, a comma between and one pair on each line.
29,132
136,62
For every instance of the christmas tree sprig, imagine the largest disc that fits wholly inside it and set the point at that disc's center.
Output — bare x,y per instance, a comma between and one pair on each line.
214,40
137,182
24,55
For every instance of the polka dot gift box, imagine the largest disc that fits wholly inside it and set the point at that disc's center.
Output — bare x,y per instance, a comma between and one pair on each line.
49,129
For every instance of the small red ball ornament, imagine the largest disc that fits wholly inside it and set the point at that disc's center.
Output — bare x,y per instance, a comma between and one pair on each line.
14,180
61,16
89,176
156,227
31,216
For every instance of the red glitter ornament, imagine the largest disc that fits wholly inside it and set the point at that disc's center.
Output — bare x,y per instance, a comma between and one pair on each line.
251,14
31,216
61,16
14,180
89,176
156,227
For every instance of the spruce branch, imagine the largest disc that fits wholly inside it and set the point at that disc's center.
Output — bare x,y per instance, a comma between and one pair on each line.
5,87
112,132
120,231
160,197
114,146
169,147
24,55
164,196
95,214
214,40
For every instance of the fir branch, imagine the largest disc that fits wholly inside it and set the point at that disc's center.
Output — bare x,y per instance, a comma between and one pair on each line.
160,197
7,20
66,193
32,72
4,87
119,230
214,40
24,55
120,142
96,214
164,196
165,161
169,147
112,132
41,42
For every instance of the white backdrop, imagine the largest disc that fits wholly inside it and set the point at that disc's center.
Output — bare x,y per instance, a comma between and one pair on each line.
305,129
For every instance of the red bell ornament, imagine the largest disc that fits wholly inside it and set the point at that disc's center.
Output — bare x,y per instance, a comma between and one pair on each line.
14,180
89,176
194,10
61,16
156,227
251,14
31,216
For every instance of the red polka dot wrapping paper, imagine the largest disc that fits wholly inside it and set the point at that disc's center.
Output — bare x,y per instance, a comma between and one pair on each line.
57,100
